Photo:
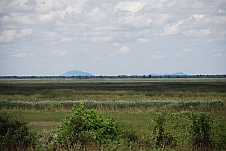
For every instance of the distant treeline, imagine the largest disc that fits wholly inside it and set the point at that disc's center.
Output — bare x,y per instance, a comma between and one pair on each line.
118,76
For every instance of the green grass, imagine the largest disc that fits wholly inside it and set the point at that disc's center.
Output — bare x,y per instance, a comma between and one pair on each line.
112,90
45,119
137,119
39,120
140,123
43,103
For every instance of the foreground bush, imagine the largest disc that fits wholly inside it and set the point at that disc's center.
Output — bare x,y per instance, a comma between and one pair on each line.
14,134
201,129
162,138
85,127
206,133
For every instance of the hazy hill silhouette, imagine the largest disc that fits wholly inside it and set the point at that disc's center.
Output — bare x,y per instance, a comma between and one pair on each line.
76,73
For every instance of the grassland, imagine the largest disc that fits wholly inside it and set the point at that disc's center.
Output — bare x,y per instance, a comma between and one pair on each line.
43,103
136,90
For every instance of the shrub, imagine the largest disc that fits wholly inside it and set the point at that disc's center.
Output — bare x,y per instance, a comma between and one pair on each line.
161,137
85,126
201,129
14,134
220,136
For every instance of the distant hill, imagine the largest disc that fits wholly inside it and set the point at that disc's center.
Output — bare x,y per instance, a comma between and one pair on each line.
76,73
176,73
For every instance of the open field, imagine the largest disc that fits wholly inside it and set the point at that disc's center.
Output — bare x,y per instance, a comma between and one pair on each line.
135,90
134,103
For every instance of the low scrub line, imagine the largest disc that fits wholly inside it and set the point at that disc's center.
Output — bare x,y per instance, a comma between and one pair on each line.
57,105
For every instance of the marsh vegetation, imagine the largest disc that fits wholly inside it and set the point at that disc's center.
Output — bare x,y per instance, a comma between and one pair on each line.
132,114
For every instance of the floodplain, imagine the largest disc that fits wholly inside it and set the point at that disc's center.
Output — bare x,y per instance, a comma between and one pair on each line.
134,103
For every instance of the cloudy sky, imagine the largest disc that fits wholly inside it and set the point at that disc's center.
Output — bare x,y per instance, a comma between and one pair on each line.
112,37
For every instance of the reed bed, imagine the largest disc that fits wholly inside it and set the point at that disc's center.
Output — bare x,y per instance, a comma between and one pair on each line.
111,106
109,90
135,102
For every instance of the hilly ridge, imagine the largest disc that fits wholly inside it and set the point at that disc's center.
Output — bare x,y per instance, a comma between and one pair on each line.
176,73
76,73
81,73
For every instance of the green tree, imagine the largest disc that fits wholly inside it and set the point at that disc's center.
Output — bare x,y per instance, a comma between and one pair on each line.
14,134
86,126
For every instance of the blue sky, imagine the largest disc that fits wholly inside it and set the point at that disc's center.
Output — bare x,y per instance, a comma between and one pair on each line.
112,37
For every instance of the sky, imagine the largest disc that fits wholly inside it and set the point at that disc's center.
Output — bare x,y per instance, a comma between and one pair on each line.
112,37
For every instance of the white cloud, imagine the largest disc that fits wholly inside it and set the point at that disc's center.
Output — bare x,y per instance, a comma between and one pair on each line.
70,7
66,39
96,15
116,44
199,16
50,35
142,40
221,11
3,6
51,17
197,55
98,57
106,28
182,28
31,3
20,55
157,56
178,55
144,20
136,21
187,50
19,19
160,19
53,53
196,33
24,33
7,35
197,5
122,50
218,20
173,28
57,53
78,6
204,32
132,7
217,50
82,51
157,5
44,7
217,55
20,6
101,39
63,53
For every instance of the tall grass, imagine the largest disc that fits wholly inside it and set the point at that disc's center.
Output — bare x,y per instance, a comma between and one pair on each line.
114,106
135,103
56,90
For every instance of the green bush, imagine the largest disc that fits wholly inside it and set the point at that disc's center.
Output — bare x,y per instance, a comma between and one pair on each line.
14,134
85,126
219,135
162,138
201,130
